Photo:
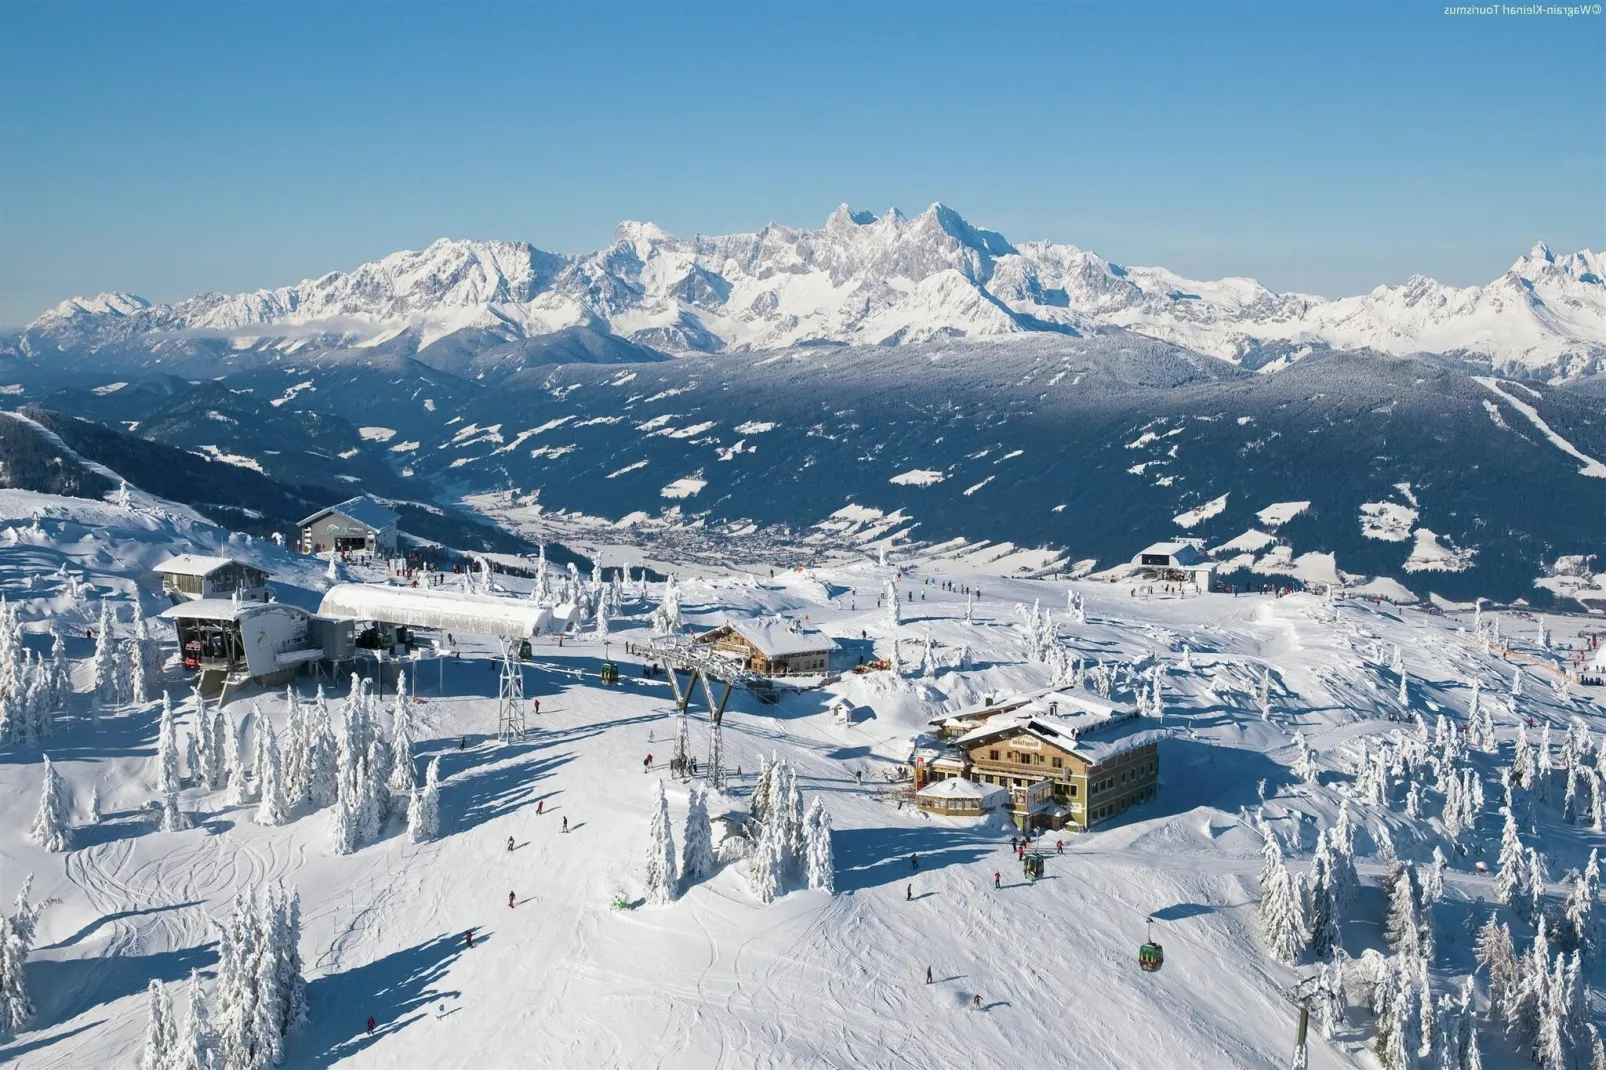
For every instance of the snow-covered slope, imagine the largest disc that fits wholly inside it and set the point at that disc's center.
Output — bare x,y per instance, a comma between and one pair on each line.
718,978
860,279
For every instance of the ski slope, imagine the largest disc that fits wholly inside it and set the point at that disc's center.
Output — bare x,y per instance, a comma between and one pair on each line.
717,979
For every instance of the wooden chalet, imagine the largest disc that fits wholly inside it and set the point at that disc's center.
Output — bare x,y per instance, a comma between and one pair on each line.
774,646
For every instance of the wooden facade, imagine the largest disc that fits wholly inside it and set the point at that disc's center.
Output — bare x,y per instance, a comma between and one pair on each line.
1083,792
806,655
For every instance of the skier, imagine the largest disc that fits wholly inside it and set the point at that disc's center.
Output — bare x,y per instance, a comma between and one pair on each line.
928,975
468,938
1014,842
914,861
908,893
370,1025
510,844
565,824
510,900
975,1002
540,805
1059,847
462,744
537,704
996,878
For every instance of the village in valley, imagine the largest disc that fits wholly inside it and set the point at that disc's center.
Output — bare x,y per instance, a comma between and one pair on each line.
345,795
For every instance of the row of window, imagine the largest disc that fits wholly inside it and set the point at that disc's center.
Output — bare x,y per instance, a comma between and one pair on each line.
1110,809
1021,758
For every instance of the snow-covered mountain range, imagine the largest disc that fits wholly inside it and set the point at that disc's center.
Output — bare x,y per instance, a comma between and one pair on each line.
859,280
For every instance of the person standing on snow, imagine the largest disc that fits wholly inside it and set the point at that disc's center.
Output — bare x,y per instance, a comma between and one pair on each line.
370,1025
468,938
996,878
928,975
510,843
914,861
908,893
510,900
565,824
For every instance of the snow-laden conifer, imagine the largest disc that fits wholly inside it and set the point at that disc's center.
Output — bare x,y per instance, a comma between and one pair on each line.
662,876
272,809
820,864
424,809
697,844
161,1032
51,821
1282,925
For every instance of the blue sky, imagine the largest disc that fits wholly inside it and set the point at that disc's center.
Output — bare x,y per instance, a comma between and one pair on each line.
167,149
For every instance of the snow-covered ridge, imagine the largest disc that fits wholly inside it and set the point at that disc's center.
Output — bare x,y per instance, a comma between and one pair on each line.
863,279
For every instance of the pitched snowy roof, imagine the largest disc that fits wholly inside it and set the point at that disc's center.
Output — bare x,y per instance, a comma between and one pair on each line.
453,611
362,509
775,636
959,788
199,565
1183,553
1092,738
225,609
1070,701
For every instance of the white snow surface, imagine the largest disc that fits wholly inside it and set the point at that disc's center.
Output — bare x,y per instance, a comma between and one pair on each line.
716,978
865,279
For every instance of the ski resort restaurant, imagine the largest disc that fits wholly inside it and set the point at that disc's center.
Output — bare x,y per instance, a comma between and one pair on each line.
356,525
1068,758
774,646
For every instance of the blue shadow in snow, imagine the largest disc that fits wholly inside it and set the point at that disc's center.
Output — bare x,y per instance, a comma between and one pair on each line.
869,857
396,990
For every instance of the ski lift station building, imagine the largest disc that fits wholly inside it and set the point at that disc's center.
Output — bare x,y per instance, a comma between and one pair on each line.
356,525
187,577
255,642
1176,561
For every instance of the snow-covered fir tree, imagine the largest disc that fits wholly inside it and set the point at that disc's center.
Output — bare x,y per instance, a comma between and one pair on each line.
261,994
820,863
161,1031
233,764
168,780
697,844
424,809
893,606
322,766
662,877
52,820
1304,766
197,1042
272,808
104,666
92,813
1321,900
1282,925
145,656
1511,868
16,1005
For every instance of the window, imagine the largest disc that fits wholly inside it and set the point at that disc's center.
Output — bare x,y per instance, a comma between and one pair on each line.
1039,759
1059,763
993,755
1073,791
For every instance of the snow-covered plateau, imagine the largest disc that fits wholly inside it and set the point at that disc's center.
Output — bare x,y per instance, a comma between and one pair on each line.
860,279
1391,815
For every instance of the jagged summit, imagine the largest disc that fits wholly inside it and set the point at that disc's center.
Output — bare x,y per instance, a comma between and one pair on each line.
865,279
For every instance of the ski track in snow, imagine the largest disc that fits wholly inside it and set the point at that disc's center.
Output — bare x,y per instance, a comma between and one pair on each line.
1592,467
